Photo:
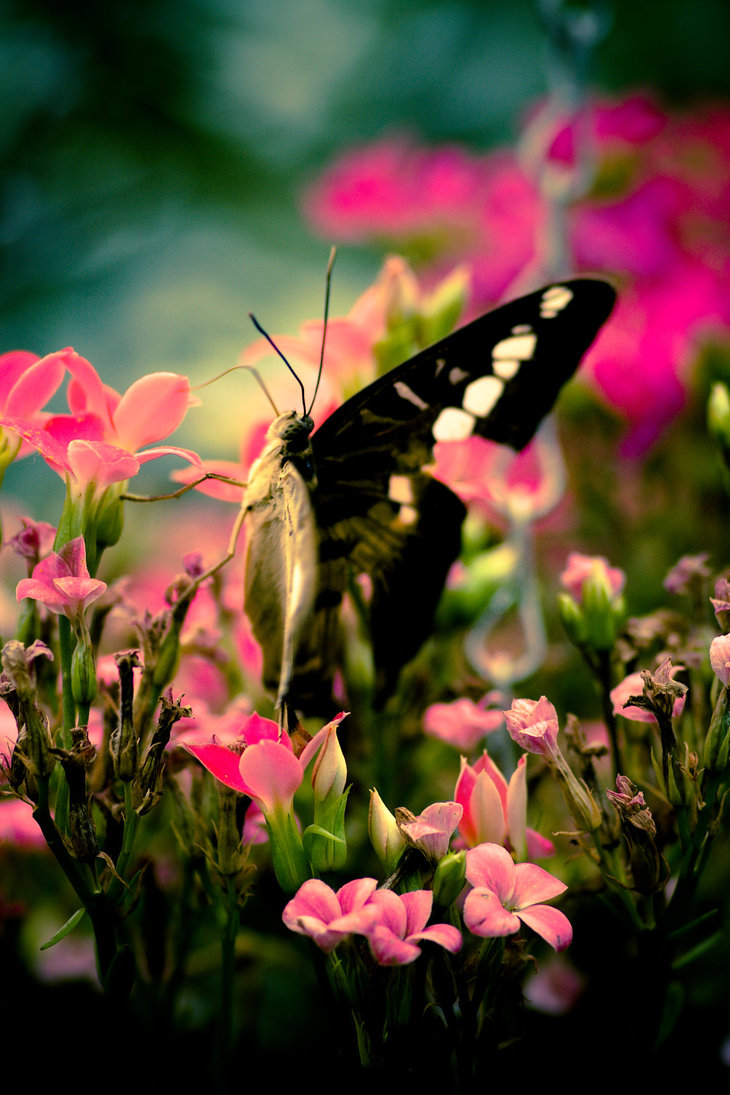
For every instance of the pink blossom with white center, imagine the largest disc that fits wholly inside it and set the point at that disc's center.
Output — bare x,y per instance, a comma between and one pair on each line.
505,894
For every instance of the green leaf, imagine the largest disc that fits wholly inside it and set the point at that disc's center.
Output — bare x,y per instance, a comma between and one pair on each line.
68,927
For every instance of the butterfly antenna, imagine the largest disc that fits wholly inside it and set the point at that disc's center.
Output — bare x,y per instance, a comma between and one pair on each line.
271,342
328,282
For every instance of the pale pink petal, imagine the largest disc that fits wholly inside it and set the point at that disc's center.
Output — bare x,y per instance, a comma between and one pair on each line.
484,914
533,884
101,464
272,774
353,895
391,912
516,810
86,391
389,949
151,408
552,925
259,729
491,866
446,935
418,905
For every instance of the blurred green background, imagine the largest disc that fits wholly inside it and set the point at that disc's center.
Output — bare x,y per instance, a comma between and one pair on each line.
154,152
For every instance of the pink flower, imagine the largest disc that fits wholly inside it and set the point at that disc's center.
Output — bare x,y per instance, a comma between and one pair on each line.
262,765
463,723
432,830
633,685
328,917
580,568
495,811
100,440
533,725
401,926
505,893
27,382
62,582
720,658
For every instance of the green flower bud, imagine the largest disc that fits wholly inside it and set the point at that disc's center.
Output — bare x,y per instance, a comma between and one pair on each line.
449,878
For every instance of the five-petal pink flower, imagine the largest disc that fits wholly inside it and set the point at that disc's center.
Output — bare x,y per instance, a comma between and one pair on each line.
505,894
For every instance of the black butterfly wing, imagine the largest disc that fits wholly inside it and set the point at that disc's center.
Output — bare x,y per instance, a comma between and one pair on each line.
378,513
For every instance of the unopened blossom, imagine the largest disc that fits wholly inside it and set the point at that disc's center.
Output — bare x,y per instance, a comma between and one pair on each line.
329,916
581,568
533,725
631,804
402,923
495,810
505,894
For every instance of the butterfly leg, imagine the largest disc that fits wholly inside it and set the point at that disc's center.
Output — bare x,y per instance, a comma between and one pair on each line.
181,490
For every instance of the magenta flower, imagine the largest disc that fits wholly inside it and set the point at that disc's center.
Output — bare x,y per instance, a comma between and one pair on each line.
533,725
328,917
62,582
495,811
401,926
505,894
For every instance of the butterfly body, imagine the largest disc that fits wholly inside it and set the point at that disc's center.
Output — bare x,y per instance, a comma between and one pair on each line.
353,497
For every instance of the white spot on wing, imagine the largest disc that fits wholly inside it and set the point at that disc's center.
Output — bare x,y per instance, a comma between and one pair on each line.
507,368
440,363
407,393
400,489
456,375
482,394
520,346
453,424
408,515
554,300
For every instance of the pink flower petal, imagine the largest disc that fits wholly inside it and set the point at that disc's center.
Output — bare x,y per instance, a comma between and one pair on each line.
551,924
484,914
533,884
151,408
221,762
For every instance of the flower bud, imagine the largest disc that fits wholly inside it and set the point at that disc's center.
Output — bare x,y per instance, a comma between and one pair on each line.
83,672
386,838
449,878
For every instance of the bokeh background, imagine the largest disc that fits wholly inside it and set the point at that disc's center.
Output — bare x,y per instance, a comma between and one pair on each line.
154,152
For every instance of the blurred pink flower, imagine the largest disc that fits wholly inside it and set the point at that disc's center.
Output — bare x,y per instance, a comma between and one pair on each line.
504,893
655,221
463,723
581,567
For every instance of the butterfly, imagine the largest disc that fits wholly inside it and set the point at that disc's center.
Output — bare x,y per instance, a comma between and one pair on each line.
353,497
